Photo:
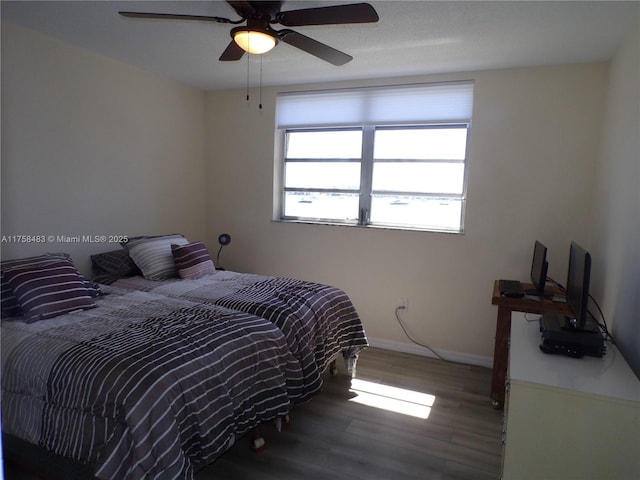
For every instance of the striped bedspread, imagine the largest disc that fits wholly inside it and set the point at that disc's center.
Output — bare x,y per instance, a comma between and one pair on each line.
318,321
144,386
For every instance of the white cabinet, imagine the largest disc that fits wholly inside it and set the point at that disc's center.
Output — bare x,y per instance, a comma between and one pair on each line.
568,418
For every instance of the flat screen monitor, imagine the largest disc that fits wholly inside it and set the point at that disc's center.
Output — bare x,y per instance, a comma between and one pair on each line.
578,278
539,267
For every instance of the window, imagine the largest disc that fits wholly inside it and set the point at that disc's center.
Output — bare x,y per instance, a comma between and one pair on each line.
388,157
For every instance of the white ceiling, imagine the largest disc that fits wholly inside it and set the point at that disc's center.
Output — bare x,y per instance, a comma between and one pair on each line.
411,38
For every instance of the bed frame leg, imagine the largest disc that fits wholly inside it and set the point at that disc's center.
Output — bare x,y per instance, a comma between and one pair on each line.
350,360
258,445
282,422
333,369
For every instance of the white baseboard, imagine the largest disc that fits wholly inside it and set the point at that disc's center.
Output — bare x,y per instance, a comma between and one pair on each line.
456,357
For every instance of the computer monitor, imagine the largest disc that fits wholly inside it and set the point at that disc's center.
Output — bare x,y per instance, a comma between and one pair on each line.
578,278
539,267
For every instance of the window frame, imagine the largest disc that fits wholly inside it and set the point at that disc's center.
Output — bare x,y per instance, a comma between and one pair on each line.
285,189
367,161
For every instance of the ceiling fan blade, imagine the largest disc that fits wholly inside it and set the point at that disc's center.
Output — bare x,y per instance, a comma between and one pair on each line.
232,53
265,10
174,16
242,8
333,15
318,49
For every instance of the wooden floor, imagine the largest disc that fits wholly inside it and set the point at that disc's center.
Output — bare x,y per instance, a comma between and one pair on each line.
333,437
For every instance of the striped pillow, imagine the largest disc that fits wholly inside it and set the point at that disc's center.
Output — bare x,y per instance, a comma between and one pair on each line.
49,290
9,303
153,256
192,260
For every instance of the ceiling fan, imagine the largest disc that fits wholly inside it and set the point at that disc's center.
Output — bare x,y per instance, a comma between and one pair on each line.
258,36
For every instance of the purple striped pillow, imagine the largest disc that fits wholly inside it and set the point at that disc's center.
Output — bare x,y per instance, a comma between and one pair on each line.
49,290
192,260
10,304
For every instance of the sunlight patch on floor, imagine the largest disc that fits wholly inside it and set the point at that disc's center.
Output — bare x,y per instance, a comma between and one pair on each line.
394,399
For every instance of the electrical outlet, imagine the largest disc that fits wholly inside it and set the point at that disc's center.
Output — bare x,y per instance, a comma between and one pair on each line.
403,303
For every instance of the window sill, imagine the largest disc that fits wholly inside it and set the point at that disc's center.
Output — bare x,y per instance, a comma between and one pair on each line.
372,226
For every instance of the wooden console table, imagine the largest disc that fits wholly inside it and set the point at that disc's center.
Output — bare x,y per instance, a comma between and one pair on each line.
506,305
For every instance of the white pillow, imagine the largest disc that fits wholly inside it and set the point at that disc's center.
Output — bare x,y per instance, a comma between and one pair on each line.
154,258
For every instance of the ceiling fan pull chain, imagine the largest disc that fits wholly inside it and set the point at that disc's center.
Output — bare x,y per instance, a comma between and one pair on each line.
260,103
248,77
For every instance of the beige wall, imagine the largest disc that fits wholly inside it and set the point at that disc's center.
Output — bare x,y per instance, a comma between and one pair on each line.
617,220
91,146
534,147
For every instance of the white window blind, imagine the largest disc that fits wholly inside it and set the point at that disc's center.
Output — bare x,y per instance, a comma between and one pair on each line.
388,105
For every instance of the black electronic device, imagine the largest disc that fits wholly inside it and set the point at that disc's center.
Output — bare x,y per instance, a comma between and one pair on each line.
539,267
578,280
576,335
559,335
511,288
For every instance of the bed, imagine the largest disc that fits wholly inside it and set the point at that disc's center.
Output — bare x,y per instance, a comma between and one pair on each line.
141,385
319,321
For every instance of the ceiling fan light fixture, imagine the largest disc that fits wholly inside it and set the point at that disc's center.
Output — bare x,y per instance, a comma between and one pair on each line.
253,41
